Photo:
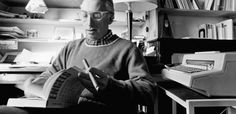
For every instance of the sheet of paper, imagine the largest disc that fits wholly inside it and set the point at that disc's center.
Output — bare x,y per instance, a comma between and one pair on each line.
27,57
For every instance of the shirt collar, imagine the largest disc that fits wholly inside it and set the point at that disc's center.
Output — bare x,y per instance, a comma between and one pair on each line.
106,40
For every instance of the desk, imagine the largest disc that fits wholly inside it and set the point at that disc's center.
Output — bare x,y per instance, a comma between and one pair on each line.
11,79
16,75
188,98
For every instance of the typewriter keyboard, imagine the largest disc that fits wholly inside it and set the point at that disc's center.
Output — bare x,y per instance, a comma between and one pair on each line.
186,69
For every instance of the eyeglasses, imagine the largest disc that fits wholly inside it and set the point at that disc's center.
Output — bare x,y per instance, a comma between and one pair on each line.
95,15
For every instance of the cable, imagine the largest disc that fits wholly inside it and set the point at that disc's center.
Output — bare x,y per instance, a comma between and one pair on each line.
224,110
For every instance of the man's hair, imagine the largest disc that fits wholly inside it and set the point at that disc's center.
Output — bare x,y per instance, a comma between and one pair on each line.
110,7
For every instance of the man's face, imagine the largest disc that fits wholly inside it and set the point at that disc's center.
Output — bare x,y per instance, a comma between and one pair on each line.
95,18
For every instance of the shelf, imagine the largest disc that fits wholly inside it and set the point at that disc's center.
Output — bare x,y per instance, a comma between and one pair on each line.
38,21
29,40
59,22
168,47
191,39
203,13
42,41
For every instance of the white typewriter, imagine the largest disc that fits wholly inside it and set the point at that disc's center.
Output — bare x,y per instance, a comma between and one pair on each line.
212,74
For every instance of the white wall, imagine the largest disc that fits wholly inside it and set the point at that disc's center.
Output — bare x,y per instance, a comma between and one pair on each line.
72,14
187,26
46,31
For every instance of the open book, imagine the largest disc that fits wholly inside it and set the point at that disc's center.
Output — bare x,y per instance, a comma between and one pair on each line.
63,89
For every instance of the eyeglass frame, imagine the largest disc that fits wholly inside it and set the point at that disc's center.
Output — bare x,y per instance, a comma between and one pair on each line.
83,18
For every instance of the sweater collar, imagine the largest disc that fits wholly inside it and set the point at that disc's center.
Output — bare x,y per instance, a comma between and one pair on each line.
106,40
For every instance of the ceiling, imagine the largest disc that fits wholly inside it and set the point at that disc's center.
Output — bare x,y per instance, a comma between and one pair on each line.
49,3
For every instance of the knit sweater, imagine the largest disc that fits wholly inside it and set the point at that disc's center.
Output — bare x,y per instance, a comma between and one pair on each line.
129,80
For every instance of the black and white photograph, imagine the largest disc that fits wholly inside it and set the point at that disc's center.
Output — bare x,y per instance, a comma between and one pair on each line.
118,56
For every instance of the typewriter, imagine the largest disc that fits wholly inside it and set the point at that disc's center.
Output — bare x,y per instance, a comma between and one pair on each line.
209,73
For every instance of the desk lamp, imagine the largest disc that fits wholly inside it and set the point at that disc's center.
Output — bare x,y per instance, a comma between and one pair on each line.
130,6
36,6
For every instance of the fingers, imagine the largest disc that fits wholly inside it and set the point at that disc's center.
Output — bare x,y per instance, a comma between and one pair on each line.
98,79
97,73
85,80
100,76
39,81
28,81
83,75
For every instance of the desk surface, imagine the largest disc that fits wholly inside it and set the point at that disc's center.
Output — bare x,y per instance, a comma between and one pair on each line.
17,74
182,91
22,69
189,98
179,90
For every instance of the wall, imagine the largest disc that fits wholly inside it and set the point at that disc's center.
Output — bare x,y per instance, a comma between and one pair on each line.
72,14
46,29
153,28
187,26
3,6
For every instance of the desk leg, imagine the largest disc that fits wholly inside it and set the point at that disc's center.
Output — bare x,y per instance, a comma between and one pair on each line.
174,107
189,109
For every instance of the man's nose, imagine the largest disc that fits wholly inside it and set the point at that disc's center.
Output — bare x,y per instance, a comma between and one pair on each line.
90,21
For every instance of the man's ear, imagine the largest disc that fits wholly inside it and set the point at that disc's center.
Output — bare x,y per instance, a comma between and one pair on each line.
110,20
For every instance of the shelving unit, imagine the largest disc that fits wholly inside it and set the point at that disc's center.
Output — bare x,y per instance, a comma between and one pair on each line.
196,13
51,24
59,22
185,23
42,41
185,16
168,47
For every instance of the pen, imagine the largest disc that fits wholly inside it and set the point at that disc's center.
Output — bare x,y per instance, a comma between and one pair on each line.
90,74
167,67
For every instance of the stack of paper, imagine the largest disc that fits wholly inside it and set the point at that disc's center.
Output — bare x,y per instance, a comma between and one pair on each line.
11,32
11,15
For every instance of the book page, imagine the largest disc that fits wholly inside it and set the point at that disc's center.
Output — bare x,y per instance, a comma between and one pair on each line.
49,83
62,89
35,90
67,87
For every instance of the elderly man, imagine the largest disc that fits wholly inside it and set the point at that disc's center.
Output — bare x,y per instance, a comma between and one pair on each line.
118,65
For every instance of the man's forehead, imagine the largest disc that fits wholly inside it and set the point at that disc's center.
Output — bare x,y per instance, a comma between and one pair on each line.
93,5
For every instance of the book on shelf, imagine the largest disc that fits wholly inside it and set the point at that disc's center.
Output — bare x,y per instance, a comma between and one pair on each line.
63,89
217,5
179,4
207,31
223,30
208,4
185,4
198,4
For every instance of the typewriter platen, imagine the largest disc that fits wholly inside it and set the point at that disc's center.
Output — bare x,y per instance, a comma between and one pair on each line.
212,74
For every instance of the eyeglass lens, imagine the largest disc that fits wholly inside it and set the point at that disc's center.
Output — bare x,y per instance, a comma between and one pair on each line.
94,15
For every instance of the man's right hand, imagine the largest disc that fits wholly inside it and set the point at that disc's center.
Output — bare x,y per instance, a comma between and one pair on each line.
26,84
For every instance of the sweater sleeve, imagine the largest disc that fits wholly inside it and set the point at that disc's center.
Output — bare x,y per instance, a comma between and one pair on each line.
138,89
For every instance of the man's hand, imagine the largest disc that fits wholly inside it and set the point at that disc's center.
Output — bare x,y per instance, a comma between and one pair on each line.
100,77
26,85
